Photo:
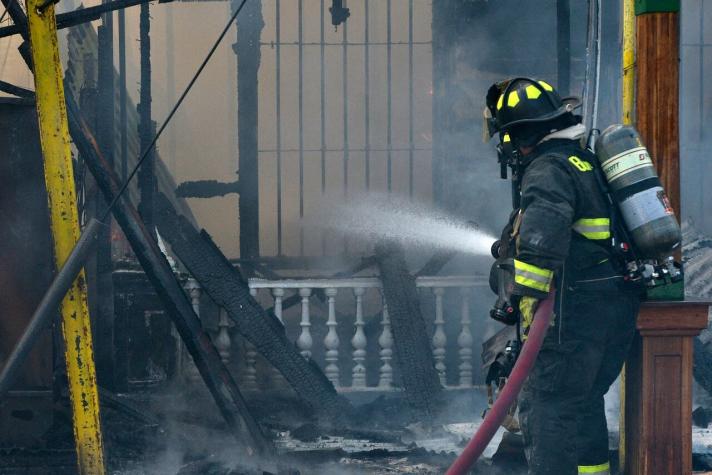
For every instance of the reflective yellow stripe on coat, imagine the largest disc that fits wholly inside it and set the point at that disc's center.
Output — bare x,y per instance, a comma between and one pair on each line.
532,276
602,469
593,228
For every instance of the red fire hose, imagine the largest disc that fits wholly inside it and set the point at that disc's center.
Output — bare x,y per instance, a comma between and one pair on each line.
521,369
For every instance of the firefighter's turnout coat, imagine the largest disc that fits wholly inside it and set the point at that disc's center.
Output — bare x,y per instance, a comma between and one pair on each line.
562,237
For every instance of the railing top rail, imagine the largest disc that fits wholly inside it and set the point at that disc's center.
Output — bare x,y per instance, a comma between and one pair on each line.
366,282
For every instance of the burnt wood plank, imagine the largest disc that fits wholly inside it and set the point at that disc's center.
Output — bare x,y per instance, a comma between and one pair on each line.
413,353
226,286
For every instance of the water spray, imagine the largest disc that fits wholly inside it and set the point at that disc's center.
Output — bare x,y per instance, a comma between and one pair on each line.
378,216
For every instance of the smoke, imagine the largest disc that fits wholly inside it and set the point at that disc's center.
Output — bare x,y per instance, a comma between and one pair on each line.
376,216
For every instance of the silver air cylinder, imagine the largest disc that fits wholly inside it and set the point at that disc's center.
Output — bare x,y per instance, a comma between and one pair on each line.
637,191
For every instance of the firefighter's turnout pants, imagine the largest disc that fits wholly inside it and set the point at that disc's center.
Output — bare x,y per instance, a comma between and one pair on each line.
561,406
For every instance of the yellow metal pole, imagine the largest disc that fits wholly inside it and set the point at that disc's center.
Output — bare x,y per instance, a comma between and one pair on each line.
627,112
628,99
59,178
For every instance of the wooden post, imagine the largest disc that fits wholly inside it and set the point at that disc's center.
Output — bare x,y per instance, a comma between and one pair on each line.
658,395
657,86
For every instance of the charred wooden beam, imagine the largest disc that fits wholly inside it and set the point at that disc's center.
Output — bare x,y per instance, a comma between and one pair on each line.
146,131
214,373
247,48
227,288
206,188
102,271
207,360
412,345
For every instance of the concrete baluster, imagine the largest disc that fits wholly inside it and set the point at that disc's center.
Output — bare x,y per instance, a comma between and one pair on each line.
439,338
305,342
331,341
359,343
385,341
464,340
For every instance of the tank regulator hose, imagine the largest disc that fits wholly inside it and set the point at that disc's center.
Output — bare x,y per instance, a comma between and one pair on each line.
521,370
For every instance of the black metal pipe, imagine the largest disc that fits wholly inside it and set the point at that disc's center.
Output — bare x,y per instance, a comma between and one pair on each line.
367,98
389,98
76,17
278,106
322,92
16,90
123,99
410,99
47,308
300,19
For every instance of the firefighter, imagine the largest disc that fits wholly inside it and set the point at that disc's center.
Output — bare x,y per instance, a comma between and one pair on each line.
561,237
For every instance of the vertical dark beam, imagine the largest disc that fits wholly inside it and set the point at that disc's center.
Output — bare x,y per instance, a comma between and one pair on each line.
410,98
278,105
123,112
300,85
146,175
389,99
104,320
247,48
441,12
367,97
322,91
170,85
345,99
563,45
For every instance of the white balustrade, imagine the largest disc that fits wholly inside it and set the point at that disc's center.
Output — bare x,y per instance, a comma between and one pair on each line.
461,345
278,294
464,340
331,341
359,343
304,342
385,341
439,337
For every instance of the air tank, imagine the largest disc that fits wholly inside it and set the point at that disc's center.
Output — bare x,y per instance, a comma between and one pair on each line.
636,189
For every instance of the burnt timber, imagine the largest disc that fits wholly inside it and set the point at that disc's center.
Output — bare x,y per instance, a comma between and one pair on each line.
412,345
229,290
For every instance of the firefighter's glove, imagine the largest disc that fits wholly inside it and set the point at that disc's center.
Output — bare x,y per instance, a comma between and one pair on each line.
527,307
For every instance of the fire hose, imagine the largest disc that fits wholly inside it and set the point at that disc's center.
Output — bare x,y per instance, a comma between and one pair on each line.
521,370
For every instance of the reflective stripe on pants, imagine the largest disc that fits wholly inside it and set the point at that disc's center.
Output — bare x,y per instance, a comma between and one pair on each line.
602,469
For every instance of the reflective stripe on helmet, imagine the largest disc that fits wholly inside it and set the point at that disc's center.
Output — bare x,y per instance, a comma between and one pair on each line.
513,99
500,102
546,86
532,276
593,228
533,92
602,469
